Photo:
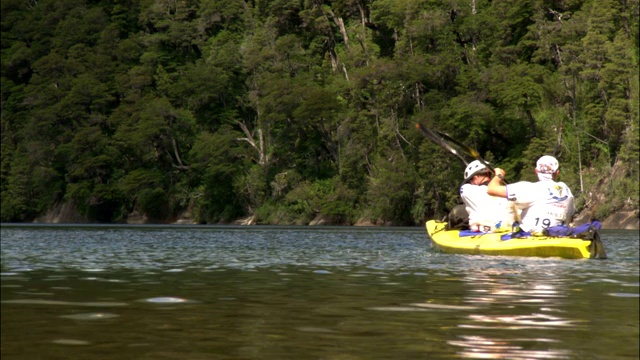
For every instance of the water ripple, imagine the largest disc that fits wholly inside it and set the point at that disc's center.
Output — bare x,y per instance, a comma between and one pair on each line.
90,316
167,300
180,249
517,322
70,342
65,303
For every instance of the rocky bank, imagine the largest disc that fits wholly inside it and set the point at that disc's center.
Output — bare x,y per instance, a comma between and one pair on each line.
628,219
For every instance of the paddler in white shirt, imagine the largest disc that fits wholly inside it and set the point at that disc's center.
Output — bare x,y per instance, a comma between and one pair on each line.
544,203
486,213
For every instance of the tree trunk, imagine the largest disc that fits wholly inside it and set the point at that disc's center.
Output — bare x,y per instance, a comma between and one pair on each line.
340,23
263,158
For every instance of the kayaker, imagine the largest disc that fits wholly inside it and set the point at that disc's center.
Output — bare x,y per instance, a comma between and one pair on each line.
544,203
486,213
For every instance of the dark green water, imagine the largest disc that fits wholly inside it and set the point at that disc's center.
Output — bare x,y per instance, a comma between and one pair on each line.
339,293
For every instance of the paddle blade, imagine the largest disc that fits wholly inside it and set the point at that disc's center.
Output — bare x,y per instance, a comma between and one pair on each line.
439,141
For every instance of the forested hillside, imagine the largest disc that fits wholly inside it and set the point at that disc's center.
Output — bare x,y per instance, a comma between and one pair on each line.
287,110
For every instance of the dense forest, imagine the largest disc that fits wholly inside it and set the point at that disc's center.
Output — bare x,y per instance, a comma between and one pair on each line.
289,110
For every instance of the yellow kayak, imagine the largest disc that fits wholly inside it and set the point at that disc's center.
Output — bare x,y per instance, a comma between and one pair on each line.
450,241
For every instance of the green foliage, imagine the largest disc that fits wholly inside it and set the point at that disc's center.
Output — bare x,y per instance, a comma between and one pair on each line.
289,110
391,191
327,199
138,180
154,203
291,201
440,176
215,158
267,213
105,204
333,200
537,147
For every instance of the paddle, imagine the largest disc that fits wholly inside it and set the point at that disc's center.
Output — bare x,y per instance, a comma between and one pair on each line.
442,139
596,248
469,150
438,140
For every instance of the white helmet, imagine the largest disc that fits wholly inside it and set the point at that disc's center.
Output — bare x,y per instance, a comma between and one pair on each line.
473,168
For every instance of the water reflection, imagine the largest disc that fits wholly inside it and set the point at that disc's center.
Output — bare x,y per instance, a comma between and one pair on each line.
479,347
518,322
517,302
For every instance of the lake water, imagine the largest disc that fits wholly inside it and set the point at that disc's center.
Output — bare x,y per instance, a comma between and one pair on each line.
335,293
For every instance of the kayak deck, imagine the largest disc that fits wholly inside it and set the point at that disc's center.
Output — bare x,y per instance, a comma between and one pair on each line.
491,244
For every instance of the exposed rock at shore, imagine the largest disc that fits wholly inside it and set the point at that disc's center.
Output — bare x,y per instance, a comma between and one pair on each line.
251,220
137,218
67,213
628,220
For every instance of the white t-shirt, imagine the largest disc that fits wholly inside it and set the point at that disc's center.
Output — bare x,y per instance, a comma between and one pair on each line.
543,203
486,212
